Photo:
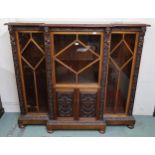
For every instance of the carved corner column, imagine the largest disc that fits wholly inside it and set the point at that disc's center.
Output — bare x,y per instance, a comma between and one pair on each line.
47,43
16,67
137,65
107,35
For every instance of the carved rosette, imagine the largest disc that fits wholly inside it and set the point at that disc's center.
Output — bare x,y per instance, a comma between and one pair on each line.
107,34
47,43
16,66
137,64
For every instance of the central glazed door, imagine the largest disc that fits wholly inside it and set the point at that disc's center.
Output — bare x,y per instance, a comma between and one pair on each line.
76,58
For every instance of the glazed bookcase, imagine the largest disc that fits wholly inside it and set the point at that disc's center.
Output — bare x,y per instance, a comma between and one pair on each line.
1,109
76,76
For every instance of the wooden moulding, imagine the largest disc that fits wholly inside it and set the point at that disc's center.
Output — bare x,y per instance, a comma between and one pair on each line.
129,121
61,123
76,124
114,25
32,119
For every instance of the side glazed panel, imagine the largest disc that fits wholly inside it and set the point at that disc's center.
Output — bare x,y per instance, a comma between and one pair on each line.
31,56
121,59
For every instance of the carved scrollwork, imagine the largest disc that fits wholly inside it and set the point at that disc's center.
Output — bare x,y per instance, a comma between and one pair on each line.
65,104
88,105
107,34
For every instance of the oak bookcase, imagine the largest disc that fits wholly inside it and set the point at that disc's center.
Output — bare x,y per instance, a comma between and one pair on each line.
80,76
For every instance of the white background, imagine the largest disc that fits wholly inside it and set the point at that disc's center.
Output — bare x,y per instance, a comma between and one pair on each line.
145,94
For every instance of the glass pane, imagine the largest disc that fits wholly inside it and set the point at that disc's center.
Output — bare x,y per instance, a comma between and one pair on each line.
39,38
90,75
63,75
115,39
123,88
32,54
121,54
92,41
77,56
130,39
23,39
41,87
117,97
112,88
29,86
61,41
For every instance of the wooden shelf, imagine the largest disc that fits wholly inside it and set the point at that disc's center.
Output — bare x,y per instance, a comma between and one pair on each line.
77,86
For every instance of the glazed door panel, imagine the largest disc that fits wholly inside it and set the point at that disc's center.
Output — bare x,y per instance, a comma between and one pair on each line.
77,58
31,58
121,65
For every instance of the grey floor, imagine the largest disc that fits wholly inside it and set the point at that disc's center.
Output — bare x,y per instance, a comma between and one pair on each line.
145,127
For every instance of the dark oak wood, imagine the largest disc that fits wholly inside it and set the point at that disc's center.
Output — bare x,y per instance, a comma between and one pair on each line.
90,72
47,42
76,125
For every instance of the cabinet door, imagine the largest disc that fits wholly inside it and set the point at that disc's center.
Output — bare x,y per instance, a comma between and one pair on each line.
76,57
88,103
121,65
31,56
64,103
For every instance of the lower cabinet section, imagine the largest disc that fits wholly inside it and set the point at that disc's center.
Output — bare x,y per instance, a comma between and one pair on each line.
82,123
77,109
76,103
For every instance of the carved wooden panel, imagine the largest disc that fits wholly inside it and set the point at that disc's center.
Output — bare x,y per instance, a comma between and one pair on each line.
64,104
88,101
